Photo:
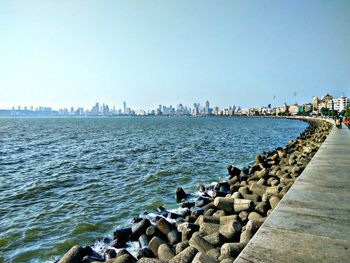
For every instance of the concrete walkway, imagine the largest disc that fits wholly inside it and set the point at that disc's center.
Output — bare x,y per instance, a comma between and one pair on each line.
312,222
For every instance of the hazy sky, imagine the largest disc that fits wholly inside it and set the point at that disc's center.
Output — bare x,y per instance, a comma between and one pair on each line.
70,53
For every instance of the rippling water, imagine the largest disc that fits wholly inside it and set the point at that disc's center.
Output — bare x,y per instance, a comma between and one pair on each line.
73,180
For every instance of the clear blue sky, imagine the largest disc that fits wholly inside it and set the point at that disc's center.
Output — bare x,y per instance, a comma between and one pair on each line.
70,53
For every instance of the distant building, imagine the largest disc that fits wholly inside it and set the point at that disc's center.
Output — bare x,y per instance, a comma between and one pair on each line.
105,109
315,103
95,109
124,107
330,105
340,103
282,109
206,109
216,111
325,101
305,108
141,113
195,111
293,109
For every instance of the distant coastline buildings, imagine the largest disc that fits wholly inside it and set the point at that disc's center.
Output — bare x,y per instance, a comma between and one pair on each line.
327,105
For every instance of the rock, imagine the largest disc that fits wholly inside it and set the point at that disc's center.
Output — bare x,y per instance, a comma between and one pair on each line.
181,246
232,249
274,200
257,189
185,226
144,250
287,181
231,230
154,244
123,251
165,252
246,236
262,173
74,255
273,190
215,253
261,181
208,206
127,258
227,260
152,231
255,216
208,228
209,212
180,194
258,159
291,161
261,208
214,239
236,195
187,204
227,219
274,182
121,236
253,226
198,242
204,258
244,172
243,190
240,205
109,254
139,228
281,153
296,170
208,219
243,216
233,180
185,256
150,260
224,203
169,230
203,201
233,171
118,243
219,213
196,211
186,230
253,197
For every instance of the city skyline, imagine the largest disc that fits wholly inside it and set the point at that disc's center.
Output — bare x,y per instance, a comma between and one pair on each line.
292,99
327,104
236,52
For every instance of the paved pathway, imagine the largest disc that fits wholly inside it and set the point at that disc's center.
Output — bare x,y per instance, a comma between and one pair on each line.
312,222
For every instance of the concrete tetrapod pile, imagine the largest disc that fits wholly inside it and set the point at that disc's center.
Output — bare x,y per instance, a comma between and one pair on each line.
218,224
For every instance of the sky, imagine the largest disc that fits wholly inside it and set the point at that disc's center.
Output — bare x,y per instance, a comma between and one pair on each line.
243,53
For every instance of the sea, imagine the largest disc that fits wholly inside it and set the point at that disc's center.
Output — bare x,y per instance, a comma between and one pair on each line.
73,180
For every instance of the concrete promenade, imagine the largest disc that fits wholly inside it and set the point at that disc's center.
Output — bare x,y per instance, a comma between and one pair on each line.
312,222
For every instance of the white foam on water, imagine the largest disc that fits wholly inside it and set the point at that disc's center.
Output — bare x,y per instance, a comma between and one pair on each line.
133,248
100,247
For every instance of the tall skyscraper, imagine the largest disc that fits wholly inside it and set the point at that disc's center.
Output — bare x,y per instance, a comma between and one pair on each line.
207,107
124,107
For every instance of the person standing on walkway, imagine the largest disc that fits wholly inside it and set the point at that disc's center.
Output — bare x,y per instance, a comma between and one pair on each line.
337,123
340,120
